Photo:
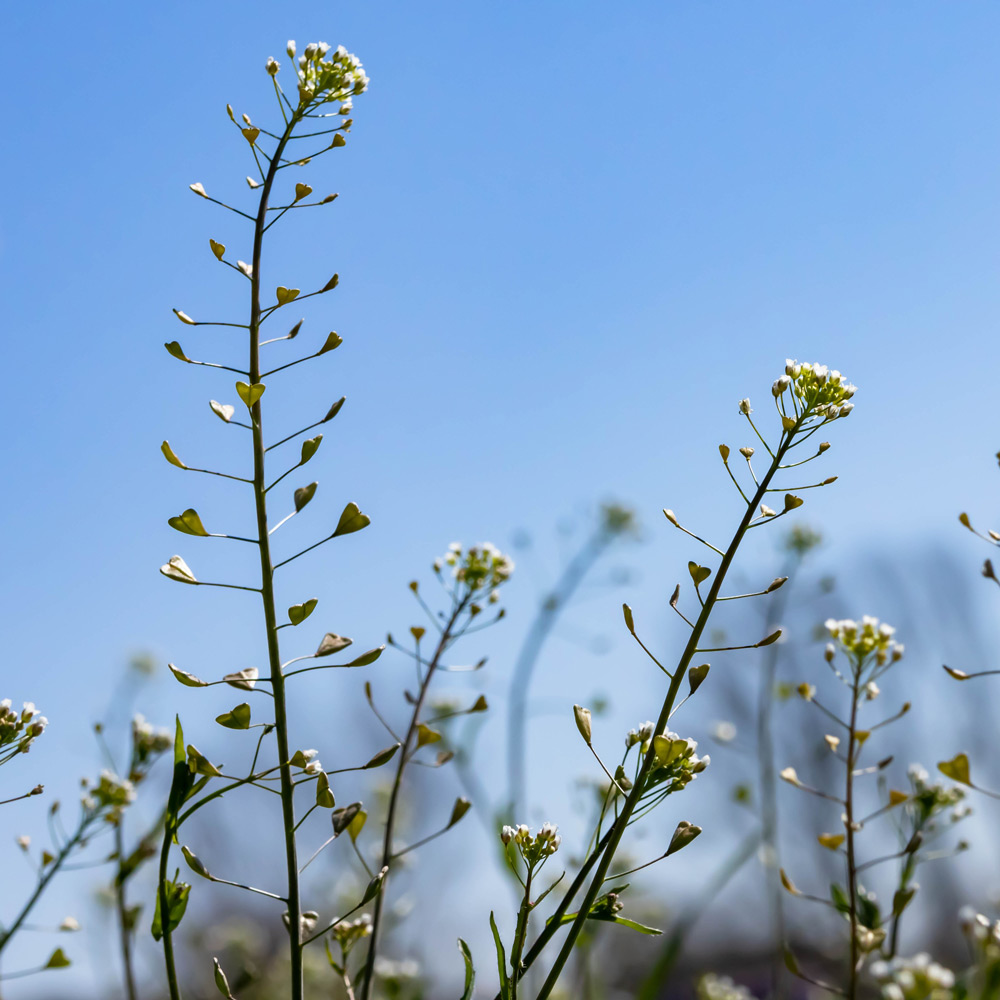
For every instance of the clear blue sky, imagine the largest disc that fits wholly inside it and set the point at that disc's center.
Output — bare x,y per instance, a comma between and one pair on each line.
570,238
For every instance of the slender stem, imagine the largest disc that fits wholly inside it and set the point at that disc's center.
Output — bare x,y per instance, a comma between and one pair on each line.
267,589
852,874
520,934
768,786
124,930
390,821
628,807
165,929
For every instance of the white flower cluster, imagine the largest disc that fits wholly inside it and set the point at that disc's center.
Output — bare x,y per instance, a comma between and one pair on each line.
110,796
916,978
865,639
934,797
148,741
393,971
821,391
20,728
308,760
480,567
533,848
348,932
641,735
337,78
713,987
676,761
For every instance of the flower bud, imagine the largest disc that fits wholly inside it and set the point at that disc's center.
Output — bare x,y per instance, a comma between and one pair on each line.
745,407
272,66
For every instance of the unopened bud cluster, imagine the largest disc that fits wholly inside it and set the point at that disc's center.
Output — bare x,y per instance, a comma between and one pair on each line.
928,798
713,987
20,729
642,736
349,932
820,390
337,78
109,796
869,638
916,978
148,742
480,567
533,848
676,762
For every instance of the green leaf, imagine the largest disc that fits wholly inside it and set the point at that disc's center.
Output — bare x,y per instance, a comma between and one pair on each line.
238,718
168,454
351,520
382,757
461,807
332,643
58,960
188,680
470,971
222,410
698,573
501,960
298,613
333,341
303,495
189,523
334,410
177,899
250,394
176,350
309,448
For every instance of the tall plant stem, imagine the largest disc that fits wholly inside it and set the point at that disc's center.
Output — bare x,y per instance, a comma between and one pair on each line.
124,931
632,800
164,903
852,872
267,588
365,986
520,934
768,785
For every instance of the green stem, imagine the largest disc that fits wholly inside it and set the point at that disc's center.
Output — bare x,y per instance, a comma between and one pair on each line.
397,785
852,875
617,830
121,904
267,589
519,935
165,929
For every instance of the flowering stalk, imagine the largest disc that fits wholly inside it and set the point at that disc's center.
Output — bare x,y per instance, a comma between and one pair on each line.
320,80
817,397
478,572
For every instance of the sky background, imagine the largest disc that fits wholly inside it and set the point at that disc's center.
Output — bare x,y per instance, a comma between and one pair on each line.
570,238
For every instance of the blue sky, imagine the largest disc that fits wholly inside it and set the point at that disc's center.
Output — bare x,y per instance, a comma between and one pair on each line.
570,238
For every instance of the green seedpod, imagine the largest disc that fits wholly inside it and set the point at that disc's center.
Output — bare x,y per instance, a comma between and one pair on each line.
698,573
310,447
324,795
365,658
382,757
188,523
479,705
303,495
177,899
176,569
351,520
332,643
768,639
199,764
957,769
237,718
629,621
334,410
461,807
697,675
427,735
223,411
332,342
582,716
373,887
58,960
195,863
188,680
356,825
175,349
332,283
285,295
170,456
298,613
221,982
250,394
244,679
341,818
